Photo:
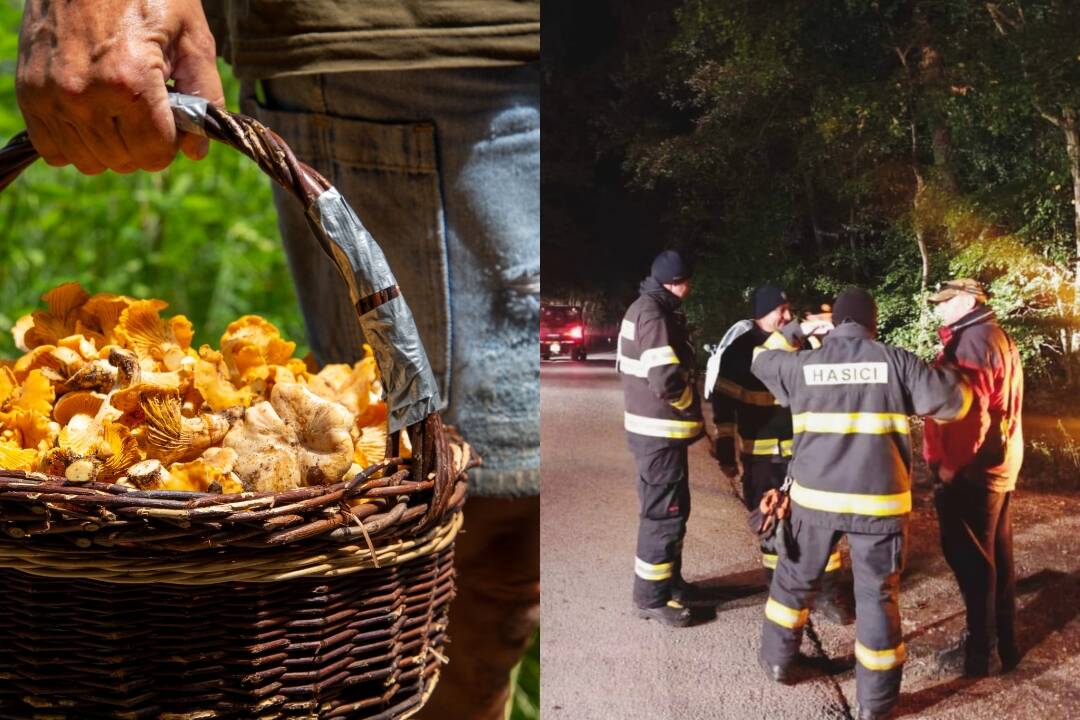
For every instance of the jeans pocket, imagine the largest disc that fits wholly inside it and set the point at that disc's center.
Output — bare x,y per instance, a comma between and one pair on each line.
388,173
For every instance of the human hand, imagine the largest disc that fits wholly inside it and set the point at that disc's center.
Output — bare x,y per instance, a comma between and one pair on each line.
91,80
816,324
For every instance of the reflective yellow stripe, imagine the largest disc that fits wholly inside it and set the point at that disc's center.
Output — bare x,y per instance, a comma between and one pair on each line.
834,562
726,430
786,447
965,405
853,503
768,560
863,423
880,659
763,398
685,399
761,446
656,427
649,571
656,357
784,616
777,341
628,330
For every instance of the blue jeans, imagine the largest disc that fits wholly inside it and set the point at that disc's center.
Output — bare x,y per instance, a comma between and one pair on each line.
443,167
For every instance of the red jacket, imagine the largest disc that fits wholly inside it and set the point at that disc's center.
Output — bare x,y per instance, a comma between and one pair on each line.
988,443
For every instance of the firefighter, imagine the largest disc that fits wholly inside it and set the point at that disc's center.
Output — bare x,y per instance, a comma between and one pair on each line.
662,419
974,464
850,402
749,420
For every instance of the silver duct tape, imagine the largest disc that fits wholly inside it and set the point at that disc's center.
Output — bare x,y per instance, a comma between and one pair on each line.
412,393
189,111
368,264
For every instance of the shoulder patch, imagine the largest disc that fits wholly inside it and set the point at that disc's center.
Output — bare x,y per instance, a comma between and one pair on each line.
859,373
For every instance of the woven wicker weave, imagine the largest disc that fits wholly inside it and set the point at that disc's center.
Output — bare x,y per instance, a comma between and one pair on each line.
321,602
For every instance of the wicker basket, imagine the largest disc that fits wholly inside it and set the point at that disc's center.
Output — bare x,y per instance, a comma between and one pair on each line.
119,603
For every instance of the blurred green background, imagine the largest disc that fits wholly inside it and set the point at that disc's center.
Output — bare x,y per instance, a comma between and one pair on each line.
202,236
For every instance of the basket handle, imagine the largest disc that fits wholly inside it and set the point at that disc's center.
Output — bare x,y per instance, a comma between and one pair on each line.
385,318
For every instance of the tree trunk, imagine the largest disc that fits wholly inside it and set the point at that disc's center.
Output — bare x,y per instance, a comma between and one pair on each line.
1072,145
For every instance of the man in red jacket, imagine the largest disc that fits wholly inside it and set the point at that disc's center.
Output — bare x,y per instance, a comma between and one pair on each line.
975,462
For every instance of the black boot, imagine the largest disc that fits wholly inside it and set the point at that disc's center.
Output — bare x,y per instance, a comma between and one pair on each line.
961,659
673,613
777,673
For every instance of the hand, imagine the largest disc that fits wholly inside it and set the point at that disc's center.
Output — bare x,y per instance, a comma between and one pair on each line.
730,471
946,475
816,324
91,80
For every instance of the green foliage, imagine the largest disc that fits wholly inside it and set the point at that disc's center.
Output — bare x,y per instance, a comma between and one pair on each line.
525,699
201,235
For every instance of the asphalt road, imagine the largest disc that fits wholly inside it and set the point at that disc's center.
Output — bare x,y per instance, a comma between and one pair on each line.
599,661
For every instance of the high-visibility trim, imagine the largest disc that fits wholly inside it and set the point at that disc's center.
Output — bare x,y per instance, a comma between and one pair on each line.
657,427
834,562
815,342
659,356
654,572
769,560
685,399
851,503
786,447
965,404
862,423
880,659
628,330
725,430
777,341
784,616
761,446
630,366
735,391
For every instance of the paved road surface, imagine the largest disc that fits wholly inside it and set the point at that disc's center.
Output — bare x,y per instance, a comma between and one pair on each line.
598,661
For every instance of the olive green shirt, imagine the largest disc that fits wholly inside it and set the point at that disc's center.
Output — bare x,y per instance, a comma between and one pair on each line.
273,38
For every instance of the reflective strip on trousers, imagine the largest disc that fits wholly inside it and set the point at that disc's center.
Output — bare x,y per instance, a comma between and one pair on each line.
784,616
863,423
766,446
769,561
749,397
851,503
656,427
649,571
880,659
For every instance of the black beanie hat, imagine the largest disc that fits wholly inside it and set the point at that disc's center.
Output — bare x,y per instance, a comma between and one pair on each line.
669,268
857,305
767,298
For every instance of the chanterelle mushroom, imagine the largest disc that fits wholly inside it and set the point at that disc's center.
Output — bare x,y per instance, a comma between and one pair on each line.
294,439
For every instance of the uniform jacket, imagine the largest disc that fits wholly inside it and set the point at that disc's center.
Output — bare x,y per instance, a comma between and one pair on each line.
850,402
655,360
988,444
748,418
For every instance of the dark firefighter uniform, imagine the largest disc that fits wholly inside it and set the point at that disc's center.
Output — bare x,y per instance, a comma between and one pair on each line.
751,423
663,417
850,403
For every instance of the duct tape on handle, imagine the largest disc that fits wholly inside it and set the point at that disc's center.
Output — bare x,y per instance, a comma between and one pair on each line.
189,111
388,325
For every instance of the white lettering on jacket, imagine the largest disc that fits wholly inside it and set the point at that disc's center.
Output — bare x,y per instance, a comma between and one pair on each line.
846,373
